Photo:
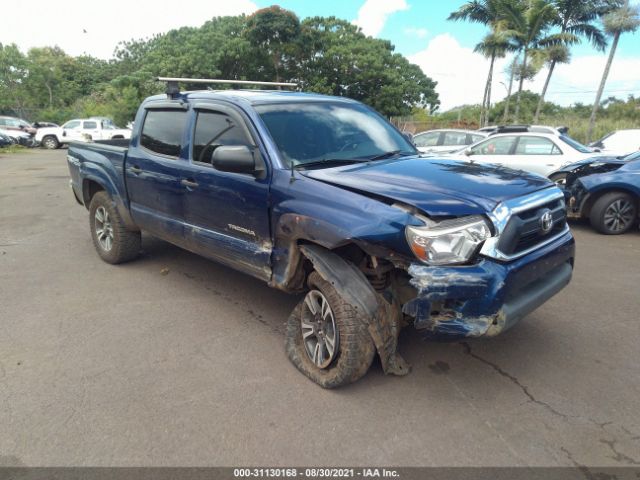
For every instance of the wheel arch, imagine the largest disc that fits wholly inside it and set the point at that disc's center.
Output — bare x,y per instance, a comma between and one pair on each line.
596,195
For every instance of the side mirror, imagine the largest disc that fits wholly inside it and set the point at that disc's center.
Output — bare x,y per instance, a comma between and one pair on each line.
468,152
234,158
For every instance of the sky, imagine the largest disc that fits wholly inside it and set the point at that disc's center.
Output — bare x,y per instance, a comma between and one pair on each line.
418,28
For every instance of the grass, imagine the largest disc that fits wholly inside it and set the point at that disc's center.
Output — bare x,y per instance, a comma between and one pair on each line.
13,149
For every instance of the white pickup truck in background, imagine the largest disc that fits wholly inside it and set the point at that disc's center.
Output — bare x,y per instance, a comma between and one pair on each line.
80,130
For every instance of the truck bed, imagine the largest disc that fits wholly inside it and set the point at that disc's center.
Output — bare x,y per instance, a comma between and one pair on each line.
102,162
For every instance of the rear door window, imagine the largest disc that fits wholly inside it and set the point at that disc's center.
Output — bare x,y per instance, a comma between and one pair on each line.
455,138
90,125
428,139
162,131
536,146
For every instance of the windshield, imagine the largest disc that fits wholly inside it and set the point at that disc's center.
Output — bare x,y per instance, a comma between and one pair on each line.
326,131
577,145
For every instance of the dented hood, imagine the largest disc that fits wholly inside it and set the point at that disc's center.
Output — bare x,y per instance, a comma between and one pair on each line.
437,187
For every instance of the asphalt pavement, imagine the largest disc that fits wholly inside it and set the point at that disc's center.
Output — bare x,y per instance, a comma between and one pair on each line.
173,360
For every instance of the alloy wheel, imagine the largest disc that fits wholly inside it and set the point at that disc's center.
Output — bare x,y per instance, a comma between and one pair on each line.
103,228
319,332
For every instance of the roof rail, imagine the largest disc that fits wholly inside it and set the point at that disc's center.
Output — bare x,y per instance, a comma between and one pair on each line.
173,88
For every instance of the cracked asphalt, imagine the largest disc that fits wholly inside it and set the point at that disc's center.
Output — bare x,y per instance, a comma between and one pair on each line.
173,360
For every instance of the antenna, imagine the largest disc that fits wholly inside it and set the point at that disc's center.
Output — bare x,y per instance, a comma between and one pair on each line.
173,88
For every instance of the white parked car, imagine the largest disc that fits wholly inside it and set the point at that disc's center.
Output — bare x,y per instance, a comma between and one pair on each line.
445,140
620,142
80,130
540,153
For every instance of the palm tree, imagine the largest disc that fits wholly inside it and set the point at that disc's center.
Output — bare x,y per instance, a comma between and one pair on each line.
576,17
494,45
528,24
512,72
622,20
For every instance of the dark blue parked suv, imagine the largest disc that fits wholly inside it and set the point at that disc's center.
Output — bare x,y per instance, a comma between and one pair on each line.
322,196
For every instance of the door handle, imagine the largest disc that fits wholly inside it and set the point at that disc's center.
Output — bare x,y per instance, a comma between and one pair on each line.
136,169
189,183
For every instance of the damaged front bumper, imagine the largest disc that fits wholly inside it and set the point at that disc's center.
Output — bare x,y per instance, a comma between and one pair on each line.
490,297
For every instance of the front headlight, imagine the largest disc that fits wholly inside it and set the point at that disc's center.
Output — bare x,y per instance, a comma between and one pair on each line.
450,241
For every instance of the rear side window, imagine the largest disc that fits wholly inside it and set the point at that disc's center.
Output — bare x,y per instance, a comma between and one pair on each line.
90,125
426,139
214,129
162,131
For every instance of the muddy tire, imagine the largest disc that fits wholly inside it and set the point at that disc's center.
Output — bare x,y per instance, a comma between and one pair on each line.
614,213
113,242
354,349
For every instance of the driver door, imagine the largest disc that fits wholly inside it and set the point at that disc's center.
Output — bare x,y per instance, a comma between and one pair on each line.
72,131
226,213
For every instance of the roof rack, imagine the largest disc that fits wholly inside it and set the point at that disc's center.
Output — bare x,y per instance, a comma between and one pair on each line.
173,88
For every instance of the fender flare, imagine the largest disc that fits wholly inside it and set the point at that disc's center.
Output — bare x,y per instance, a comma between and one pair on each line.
381,317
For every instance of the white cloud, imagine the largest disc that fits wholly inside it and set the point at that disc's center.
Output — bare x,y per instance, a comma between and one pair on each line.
461,74
416,32
373,14
459,71
63,24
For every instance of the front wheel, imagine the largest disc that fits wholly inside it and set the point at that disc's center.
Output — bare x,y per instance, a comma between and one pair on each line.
614,213
325,339
113,242
50,142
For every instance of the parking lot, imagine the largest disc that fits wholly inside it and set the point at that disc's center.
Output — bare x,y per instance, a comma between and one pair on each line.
175,360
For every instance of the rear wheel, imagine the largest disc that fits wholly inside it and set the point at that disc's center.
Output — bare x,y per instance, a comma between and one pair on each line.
50,142
113,242
614,213
325,339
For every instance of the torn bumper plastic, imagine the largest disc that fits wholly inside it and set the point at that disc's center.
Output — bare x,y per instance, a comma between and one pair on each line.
490,297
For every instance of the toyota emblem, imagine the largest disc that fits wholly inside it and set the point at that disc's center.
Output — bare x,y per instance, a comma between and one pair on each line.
546,221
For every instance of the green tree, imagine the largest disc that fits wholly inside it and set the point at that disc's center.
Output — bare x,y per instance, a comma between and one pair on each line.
13,73
622,20
576,17
338,59
275,31
494,45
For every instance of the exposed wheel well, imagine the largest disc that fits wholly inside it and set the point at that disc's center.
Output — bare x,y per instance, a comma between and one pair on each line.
586,209
376,269
89,189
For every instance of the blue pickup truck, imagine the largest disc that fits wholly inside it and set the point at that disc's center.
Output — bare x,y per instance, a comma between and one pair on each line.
321,196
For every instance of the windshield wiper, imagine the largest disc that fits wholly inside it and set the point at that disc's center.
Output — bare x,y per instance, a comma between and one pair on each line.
390,154
330,161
